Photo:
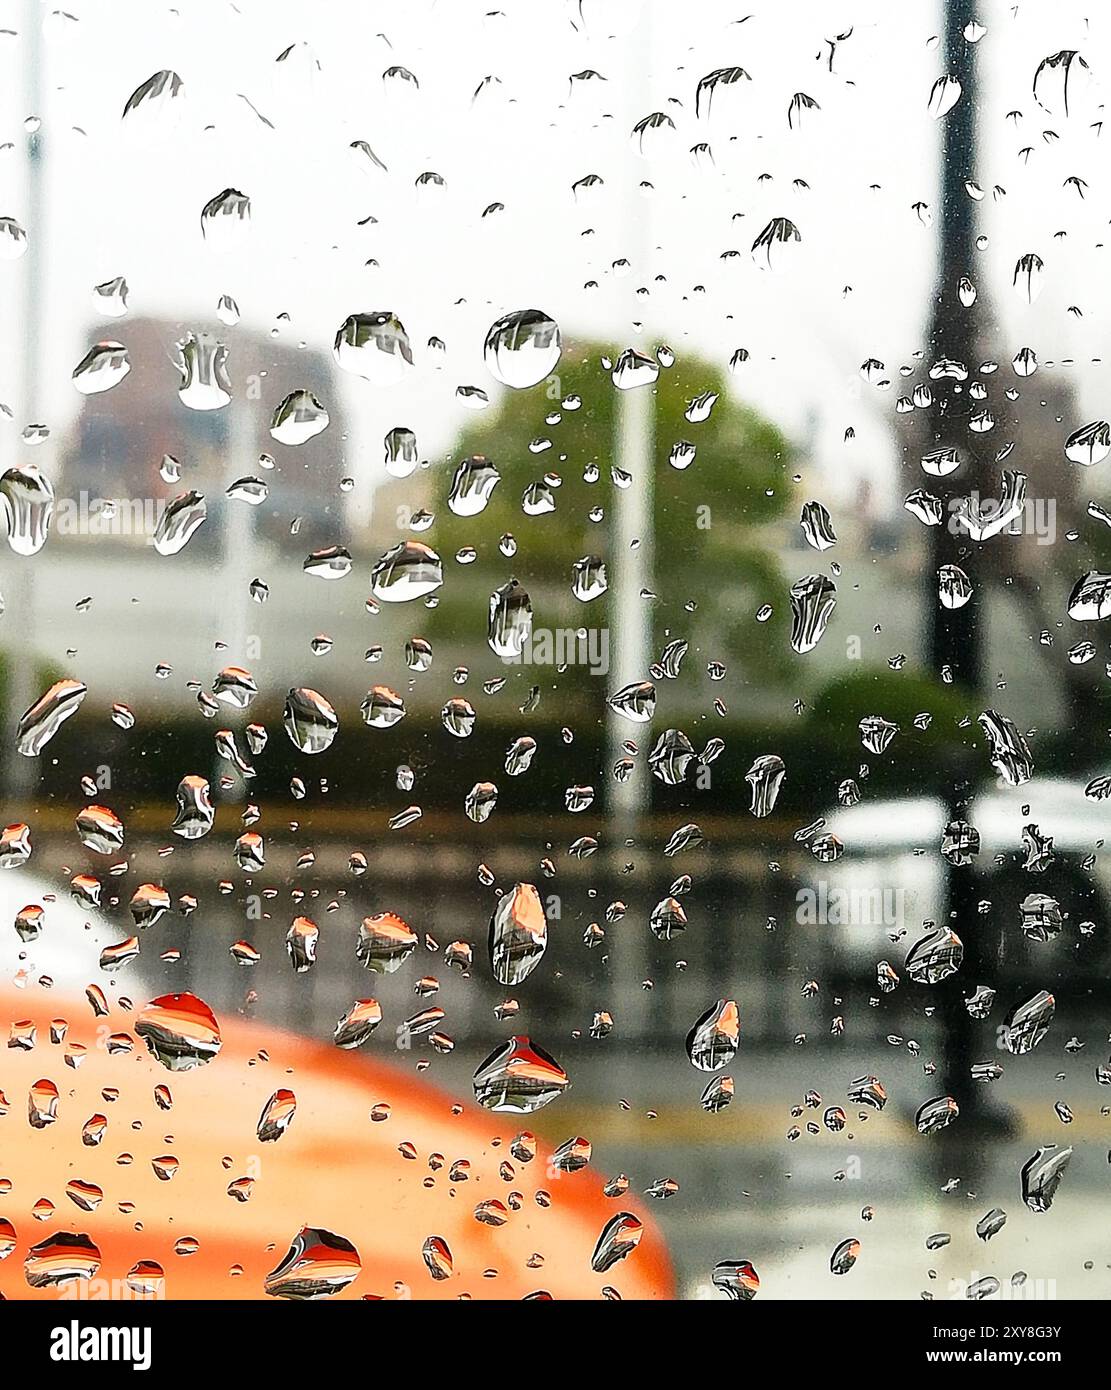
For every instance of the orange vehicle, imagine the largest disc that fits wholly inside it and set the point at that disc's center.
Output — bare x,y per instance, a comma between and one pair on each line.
367,1182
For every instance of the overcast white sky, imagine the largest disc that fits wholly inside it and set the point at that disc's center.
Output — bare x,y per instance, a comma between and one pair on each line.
121,201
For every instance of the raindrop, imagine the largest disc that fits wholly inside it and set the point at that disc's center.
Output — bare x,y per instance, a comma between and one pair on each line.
712,1042
104,365
519,1077
300,417
522,348
374,346
180,1031
310,720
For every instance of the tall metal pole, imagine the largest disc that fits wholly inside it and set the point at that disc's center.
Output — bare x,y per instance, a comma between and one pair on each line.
956,636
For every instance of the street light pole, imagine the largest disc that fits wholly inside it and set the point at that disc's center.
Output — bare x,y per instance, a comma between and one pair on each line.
956,636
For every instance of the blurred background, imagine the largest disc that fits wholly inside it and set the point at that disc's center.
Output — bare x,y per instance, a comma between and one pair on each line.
937,290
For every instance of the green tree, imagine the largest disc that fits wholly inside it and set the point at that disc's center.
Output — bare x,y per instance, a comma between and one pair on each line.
707,516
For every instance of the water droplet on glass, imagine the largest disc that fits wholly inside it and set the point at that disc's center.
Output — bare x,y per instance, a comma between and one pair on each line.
1008,750
522,348
1042,1174
936,1114
634,369
1028,1023
764,778
374,346
60,1259
712,1042
46,716
13,239
520,1077
156,102
935,956
410,570
180,1031
518,935
384,943
226,219
300,417
472,486
844,1257
813,599
104,365
202,363
510,621
737,1279
317,1264
1090,444
179,521
944,95
767,249
27,504
310,720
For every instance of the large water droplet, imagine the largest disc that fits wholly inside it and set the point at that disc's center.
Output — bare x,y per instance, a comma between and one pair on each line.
156,103
944,95
518,935
180,1031
300,417
226,219
180,519
374,346
636,702
813,599
27,504
104,365
1008,750
510,621
317,1264
1028,1023
522,348
519,1076
277,1116
100,829
472,486
768,248
195,812
410,570
620,1237
764,778
1059,80
202,362
402,456
357,1024
1042,1174
384,942
59,1259
42,721
712,1042
935,956
1090,444
382,707
310,720
634,369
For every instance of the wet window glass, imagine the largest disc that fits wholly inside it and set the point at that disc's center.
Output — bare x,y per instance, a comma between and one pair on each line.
553,660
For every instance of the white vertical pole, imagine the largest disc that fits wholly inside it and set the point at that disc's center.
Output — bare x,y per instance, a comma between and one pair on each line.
631,559
20,647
